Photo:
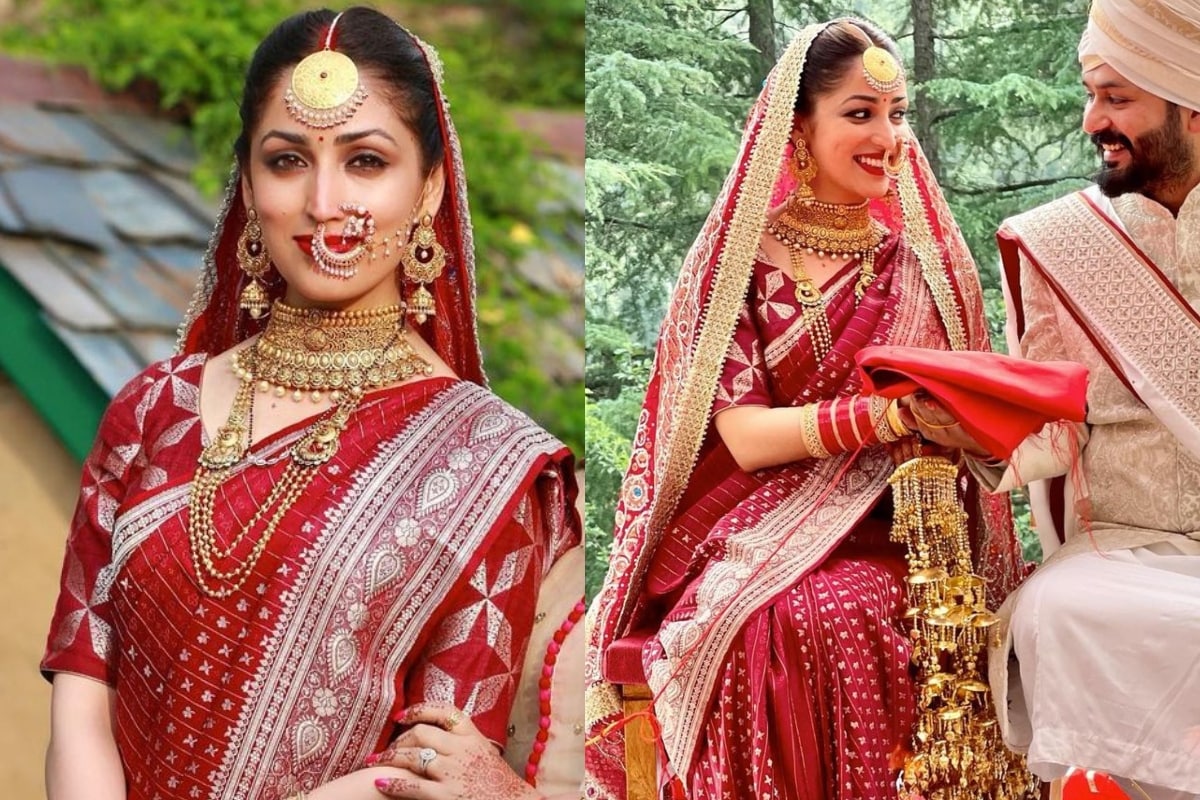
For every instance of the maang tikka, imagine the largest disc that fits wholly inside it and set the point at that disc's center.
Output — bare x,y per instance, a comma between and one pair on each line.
423,259
252,257
325,90
881,69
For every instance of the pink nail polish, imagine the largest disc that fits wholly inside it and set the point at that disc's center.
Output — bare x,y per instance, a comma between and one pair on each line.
401,715
383,784
371,760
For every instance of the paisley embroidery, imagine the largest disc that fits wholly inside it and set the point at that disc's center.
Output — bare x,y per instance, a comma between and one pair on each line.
311,738
439,487
342,654
489,426
382,568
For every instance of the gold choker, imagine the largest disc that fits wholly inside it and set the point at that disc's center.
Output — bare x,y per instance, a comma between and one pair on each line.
311,352
837,230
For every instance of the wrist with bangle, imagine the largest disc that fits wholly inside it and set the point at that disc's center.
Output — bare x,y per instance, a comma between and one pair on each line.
843,424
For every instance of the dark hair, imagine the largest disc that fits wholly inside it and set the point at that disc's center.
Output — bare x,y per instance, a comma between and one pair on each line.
831,53
375,43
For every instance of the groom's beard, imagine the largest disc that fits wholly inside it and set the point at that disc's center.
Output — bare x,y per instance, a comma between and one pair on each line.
1159,161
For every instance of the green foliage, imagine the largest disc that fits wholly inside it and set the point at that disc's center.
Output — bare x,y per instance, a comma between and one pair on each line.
1010,102
610,423
527,51
664,87
194,53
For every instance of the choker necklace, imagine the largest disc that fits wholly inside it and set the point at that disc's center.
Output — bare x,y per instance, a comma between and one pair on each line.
344,353
310,353
836,230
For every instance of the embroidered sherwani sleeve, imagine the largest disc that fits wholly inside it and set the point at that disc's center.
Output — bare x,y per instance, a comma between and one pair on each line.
474,657
1051,451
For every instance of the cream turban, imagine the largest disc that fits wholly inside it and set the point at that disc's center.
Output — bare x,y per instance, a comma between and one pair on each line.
1155,44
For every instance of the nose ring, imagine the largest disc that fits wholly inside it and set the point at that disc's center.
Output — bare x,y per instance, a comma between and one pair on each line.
343,264
893,162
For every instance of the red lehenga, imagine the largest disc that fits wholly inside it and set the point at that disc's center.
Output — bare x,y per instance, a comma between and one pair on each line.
408,570
779,664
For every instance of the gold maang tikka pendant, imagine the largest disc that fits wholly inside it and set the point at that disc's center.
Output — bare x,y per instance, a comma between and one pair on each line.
325,90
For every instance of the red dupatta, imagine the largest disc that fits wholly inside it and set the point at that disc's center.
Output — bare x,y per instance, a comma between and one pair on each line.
673,430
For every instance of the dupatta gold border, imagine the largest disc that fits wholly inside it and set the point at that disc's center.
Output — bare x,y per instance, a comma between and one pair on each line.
732,277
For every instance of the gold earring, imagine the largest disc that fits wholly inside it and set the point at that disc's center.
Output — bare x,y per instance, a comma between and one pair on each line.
804,168
253,259
423,258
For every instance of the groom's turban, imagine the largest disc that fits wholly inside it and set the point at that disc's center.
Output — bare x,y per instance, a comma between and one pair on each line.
1155,44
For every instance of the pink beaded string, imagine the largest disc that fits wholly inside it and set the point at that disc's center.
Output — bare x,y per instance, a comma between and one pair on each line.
544,684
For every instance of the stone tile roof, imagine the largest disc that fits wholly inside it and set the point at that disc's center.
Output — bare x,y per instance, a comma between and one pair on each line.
99,223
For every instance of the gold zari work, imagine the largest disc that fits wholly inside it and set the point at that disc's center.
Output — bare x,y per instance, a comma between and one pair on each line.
957,750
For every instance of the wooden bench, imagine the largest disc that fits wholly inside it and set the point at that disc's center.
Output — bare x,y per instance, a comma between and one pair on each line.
623,667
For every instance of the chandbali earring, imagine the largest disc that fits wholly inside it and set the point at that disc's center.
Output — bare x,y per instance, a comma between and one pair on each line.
893,162
804,168
423,258
253,259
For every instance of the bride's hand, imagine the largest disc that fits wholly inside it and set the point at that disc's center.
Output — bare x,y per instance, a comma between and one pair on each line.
927,416
444,757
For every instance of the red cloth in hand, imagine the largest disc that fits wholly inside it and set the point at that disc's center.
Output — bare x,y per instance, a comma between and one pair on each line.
997,399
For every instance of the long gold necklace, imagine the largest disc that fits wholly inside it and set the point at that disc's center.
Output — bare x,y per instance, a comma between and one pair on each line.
302,351
836,230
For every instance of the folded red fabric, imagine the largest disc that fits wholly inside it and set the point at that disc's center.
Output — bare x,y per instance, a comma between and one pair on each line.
998,399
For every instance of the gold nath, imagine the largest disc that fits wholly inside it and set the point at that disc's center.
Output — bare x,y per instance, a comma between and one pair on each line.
325,90
346,353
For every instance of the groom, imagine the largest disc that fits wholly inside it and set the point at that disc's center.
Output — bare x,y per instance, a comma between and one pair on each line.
1100,663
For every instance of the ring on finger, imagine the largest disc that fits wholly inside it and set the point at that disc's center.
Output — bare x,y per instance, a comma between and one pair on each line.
452,721
425,757
931,425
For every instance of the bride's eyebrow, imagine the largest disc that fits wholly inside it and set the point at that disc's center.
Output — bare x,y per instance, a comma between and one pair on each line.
342,138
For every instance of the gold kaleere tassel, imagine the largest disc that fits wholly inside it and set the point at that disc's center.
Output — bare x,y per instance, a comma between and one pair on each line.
957,752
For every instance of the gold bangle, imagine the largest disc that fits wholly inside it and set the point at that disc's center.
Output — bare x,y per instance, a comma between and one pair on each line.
895,421
880,424
810,435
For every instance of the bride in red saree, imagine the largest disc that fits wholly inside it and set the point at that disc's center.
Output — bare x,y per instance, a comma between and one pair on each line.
752,526
250,627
